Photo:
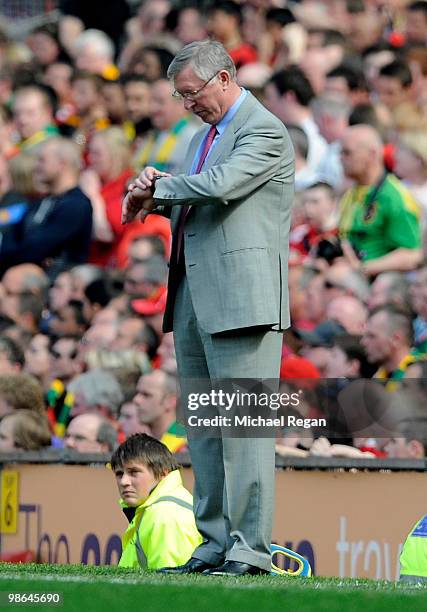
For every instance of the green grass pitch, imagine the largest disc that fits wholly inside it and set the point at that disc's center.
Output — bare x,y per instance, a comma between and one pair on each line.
105,589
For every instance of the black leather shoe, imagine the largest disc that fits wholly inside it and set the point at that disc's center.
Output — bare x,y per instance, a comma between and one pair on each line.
235,568
193,566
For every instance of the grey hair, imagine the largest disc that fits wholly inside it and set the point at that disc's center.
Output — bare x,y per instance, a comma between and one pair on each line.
88,273
206,57
356,283
332,105
107,435
99,388
97,39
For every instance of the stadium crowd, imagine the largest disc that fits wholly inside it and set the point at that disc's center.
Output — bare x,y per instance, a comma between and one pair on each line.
85,104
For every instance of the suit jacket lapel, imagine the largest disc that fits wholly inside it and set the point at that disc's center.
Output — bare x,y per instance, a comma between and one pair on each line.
188,162
221,147
201,134
227,137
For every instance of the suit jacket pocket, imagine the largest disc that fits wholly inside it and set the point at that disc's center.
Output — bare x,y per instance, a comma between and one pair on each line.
242,250
239,288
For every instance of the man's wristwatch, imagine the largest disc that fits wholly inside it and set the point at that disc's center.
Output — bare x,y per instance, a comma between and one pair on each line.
155,179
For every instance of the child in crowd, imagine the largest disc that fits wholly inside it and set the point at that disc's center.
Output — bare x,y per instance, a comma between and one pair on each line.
162,530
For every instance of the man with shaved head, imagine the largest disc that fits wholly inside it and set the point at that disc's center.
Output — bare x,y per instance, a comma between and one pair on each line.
380,220
387,341
56,231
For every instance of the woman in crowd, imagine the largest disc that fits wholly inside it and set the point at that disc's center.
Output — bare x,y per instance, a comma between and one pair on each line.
105,182
24,430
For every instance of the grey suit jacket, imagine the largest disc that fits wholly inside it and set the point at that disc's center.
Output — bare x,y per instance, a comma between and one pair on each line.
236,233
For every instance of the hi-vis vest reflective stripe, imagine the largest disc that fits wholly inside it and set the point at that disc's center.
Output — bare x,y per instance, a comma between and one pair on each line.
413,560
142,559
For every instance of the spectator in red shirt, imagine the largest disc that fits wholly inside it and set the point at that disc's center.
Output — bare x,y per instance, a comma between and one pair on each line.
225,19
105,183
319,206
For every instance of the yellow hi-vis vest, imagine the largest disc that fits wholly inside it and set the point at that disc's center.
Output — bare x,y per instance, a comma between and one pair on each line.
163,532
413,559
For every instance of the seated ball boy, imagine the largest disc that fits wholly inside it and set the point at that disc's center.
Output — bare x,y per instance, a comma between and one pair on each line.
162,530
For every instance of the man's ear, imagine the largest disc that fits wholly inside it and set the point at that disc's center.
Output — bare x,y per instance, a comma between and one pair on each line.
224,77
396,336
355,367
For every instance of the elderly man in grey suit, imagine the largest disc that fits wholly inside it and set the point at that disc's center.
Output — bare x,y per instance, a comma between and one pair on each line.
227,297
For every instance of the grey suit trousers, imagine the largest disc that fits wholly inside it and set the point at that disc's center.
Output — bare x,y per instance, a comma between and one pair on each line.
234,477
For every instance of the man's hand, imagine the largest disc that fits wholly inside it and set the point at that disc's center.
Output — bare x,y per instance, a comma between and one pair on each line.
147,178
140,195
135,201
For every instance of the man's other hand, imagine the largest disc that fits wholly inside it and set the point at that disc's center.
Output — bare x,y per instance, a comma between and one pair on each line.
135,201
140,195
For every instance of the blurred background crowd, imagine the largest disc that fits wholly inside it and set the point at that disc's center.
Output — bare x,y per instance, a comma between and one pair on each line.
85,104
